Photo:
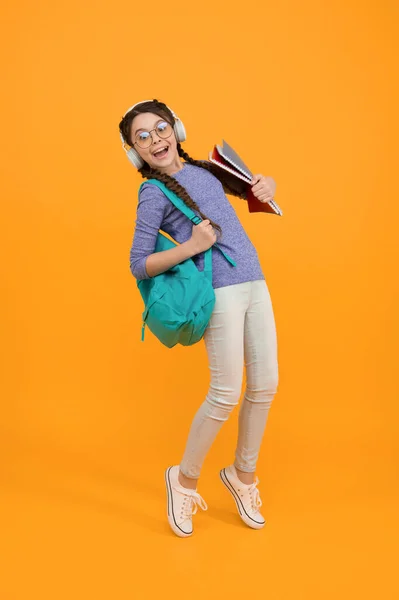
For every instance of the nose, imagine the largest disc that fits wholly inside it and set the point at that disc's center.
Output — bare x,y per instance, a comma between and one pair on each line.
155,137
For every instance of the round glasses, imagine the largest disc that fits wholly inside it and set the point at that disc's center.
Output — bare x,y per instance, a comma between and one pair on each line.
144,139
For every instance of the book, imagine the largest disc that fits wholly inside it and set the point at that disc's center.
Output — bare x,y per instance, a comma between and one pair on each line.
227,159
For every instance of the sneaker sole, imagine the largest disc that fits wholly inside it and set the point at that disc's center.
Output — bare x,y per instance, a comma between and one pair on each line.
171,519
240,507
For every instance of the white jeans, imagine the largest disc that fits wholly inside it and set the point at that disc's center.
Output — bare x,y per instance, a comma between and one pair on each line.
241,329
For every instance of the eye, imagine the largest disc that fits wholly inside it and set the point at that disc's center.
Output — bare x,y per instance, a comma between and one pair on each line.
142,136
162,126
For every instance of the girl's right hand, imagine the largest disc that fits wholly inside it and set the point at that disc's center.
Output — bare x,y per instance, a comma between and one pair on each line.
203,236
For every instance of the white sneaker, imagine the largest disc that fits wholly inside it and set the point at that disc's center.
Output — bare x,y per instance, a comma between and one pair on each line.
182,503
247,497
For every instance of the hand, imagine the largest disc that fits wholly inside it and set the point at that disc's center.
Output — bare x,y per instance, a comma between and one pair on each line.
203,236
263,188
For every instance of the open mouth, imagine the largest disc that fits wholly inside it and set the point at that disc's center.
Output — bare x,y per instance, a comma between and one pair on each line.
162,152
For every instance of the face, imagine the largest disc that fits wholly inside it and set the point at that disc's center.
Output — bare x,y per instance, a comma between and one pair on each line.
148,129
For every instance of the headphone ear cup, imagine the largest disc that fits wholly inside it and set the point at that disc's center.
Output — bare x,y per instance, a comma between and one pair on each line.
180,131
135,158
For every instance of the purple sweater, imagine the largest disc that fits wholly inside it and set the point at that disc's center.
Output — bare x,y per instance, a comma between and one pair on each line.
155,211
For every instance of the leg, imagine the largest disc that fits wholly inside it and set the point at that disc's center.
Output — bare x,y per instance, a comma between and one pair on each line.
260,343
225,348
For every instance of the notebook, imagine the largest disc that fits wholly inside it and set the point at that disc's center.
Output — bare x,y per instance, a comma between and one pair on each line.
227,159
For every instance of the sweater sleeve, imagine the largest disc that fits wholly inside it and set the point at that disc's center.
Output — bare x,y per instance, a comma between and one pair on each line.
151,211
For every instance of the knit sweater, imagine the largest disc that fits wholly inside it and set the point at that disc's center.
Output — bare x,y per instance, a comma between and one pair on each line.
155,212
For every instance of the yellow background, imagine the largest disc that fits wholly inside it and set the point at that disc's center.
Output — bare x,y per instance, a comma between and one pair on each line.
90,417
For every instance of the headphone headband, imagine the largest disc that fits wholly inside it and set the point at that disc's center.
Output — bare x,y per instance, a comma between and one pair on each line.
143,102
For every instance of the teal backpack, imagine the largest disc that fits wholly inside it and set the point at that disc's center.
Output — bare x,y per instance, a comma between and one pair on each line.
179,302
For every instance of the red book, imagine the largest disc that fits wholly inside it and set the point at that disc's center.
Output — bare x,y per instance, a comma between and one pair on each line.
227,159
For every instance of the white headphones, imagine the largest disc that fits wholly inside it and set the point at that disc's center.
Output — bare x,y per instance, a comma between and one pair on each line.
133,155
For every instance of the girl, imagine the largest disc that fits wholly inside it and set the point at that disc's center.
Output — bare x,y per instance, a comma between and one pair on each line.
242,327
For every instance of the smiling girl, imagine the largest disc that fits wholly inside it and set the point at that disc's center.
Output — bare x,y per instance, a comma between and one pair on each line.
242,326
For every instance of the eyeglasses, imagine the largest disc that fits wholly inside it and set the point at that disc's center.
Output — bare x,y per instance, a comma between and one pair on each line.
144,139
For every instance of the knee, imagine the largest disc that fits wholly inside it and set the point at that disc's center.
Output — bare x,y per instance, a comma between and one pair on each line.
222,400
263,393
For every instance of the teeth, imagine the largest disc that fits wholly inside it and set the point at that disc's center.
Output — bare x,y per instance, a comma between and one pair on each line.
160,150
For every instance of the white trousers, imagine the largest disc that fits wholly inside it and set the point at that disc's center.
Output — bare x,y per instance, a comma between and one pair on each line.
241,331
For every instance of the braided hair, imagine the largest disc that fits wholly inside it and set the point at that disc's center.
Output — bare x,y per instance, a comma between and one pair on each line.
147,172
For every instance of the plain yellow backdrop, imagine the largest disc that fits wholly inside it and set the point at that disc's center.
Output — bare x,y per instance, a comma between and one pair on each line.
307,92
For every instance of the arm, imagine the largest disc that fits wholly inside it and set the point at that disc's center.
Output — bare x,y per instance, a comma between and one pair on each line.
144,262
162,261
151,209
261,187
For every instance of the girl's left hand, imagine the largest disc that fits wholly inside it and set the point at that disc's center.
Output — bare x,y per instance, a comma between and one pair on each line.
263,188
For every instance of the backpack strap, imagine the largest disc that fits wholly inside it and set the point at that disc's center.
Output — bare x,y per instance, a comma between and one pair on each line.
195,219
227,257
176,201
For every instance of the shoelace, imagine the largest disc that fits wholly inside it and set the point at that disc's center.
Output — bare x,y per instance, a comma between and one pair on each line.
191,503
254,495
